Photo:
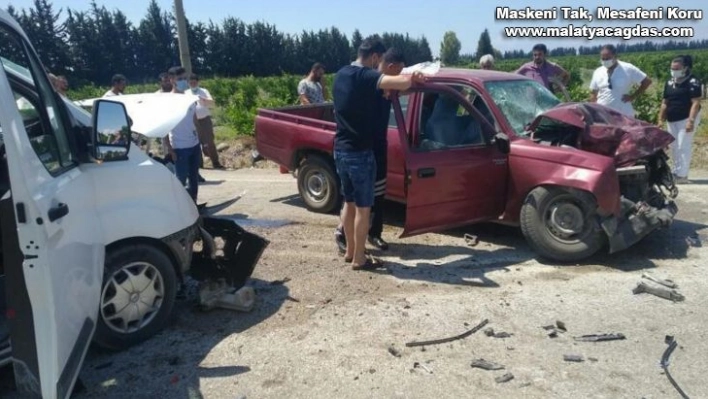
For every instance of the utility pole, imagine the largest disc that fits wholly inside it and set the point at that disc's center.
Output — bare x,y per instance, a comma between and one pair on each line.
184,57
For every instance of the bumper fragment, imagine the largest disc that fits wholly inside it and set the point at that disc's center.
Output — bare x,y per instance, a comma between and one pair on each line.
640,219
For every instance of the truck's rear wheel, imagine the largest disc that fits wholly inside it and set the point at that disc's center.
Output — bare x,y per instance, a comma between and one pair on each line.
318,184
138,294
560,224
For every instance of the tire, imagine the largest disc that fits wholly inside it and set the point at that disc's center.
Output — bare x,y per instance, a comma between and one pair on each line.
140,260
318,184
548,238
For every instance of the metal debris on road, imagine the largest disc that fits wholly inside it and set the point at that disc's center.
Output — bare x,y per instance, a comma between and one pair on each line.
215,294
661,292
486,365
445,340
600,337
421,365
664,282
504,378
471,240
665,364
561,326
573,358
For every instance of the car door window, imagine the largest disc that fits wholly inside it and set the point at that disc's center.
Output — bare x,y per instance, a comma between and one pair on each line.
403,100
37,103
446,123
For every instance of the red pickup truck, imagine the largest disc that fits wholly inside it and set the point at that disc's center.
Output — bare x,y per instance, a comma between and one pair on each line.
475,146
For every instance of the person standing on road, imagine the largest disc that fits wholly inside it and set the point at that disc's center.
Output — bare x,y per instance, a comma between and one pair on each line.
611,83
310,89
205,125
357,105
183,143
542,70
392,64
680,110
118,86
165,84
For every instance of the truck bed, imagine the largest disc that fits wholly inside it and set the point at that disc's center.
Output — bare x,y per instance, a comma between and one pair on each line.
282,132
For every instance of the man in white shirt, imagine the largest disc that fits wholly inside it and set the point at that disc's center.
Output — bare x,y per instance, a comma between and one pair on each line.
612,82
118,82
204,123
183,143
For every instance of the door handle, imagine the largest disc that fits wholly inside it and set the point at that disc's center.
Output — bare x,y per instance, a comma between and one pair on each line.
426,173
58,211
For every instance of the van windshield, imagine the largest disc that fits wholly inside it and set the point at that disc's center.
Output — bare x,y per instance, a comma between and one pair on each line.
521,101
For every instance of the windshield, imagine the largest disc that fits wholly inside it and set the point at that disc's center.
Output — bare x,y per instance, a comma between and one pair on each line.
521,101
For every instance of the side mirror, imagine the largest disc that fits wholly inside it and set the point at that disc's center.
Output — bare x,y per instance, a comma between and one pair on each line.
501,140
111,134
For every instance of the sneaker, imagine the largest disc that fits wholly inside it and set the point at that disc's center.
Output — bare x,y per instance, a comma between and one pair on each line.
378,242
341,241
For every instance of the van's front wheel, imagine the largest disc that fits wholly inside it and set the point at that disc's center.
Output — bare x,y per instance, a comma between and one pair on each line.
560,224
137,297
318,184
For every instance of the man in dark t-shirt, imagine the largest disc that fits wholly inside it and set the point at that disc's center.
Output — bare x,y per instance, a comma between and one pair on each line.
680,109
392,64
356,93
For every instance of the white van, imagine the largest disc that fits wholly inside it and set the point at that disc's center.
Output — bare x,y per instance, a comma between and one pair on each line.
96,237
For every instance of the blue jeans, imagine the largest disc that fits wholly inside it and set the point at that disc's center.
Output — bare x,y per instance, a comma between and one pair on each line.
187,168
357,171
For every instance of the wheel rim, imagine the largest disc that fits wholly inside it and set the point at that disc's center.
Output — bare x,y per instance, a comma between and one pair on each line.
566,221
316,186
132,297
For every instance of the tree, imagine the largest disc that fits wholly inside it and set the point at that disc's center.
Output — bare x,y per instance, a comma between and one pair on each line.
484,46
450,49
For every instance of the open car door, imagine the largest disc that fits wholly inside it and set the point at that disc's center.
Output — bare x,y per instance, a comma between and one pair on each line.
53,243
454,174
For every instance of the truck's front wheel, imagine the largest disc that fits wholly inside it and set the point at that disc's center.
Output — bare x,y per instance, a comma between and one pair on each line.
318,184
138,294
560,224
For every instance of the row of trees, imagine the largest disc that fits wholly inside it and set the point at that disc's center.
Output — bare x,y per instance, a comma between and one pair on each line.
90,46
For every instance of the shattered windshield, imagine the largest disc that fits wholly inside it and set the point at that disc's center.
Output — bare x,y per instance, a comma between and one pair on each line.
521,101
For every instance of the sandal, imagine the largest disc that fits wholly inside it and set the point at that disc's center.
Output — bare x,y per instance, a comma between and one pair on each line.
370,264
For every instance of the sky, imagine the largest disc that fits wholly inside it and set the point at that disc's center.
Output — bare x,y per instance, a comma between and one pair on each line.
415,17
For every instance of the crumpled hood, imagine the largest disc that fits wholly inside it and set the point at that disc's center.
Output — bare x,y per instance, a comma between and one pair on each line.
608,132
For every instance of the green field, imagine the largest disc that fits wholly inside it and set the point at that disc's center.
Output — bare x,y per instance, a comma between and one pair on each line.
239,98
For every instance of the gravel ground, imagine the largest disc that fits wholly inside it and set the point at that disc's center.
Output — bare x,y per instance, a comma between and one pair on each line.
331,332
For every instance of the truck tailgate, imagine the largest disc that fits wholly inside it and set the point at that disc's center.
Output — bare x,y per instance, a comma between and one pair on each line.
283,132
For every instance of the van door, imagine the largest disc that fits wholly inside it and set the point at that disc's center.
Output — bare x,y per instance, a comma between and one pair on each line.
54,281
454,174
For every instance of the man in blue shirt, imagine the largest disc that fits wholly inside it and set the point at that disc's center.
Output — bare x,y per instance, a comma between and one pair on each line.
357,104
392,64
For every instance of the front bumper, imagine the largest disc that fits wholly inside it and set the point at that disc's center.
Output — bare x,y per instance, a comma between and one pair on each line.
638,221
235,262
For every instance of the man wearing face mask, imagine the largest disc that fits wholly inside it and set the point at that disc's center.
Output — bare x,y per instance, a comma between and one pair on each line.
612,82
680,110
356,93
183,143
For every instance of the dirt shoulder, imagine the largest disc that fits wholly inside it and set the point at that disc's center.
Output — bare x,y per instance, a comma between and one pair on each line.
327,330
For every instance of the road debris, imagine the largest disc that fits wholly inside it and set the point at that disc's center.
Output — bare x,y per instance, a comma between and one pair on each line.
665,363
490,333
504,378
213,294
661,292
395,352
573,358
486,365
450,339
471,240
694,240
421,365
561,326
600,337
289,298
555,329
664,282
